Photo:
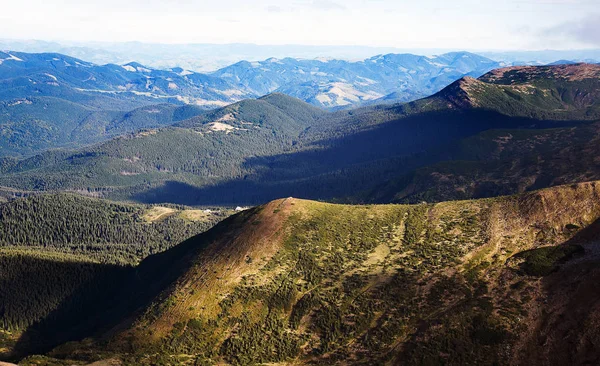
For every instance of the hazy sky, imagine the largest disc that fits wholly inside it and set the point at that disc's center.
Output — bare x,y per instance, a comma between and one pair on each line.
464,24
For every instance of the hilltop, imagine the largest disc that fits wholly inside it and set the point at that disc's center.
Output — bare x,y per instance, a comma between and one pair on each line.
541,92
456,282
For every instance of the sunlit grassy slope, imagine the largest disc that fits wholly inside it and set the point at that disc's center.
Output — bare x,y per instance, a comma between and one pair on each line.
299,281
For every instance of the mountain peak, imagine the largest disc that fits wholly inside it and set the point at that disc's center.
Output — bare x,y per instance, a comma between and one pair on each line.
282,100
460,93
524,74
526,88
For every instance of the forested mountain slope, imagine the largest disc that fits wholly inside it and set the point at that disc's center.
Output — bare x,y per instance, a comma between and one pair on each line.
464,282
506,161
35,124
257,150
105,231
54,245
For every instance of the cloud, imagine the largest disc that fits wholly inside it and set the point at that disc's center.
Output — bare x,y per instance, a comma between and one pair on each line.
306,5
327,5
586,30
556,2
274,9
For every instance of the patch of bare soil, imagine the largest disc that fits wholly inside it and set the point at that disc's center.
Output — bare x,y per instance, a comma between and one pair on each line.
158,213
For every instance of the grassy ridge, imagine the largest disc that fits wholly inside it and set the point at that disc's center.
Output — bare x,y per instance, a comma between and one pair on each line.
334,284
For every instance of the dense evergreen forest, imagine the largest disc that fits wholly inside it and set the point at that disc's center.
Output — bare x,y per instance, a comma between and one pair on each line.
54,245
33,283
104,231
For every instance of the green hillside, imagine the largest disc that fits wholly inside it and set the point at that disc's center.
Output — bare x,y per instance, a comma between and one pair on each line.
465,282
33,124
277,146
102,231
560,92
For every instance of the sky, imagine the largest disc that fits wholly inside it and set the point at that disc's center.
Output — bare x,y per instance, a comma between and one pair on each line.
452,24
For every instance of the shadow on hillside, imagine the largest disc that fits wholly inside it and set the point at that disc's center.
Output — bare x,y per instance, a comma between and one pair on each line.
589,234
76,314
31,284
117,296
567,330
342,167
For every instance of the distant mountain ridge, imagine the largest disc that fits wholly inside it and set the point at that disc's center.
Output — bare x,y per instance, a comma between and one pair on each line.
49,100
211,57
25,74
276,146
331,83
337,83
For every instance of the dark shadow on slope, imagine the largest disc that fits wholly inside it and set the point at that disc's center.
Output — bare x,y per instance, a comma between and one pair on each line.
342,167
562,331
117,296
554,157
567,332
32,284
589,234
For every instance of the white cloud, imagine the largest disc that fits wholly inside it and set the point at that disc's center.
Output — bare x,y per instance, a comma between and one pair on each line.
585,31
465,24
327,5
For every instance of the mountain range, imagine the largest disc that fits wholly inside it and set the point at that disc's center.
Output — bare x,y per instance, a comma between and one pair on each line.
460,228
337,83
50,100
277,146
410,75
206,58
